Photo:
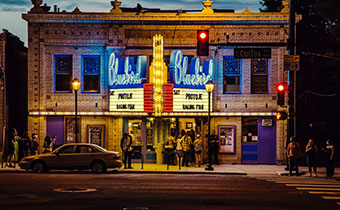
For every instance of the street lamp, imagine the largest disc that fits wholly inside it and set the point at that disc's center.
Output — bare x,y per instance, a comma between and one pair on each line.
209,86
76,87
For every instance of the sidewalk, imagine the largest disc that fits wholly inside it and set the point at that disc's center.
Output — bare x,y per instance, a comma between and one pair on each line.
225,169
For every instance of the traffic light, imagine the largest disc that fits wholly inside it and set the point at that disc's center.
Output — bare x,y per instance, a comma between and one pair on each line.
281,115
202,43
281,89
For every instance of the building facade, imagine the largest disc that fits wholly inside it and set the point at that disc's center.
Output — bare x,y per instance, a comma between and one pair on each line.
140,74
13,86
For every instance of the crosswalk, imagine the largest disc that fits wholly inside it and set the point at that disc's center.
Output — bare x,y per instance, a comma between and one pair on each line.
328,189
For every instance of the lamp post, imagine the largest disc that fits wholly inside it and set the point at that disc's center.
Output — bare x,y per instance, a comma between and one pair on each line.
76,87
209,86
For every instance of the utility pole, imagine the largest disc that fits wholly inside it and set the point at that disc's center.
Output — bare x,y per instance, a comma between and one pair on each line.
291,74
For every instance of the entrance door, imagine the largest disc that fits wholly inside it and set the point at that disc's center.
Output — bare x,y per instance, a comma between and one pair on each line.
267,142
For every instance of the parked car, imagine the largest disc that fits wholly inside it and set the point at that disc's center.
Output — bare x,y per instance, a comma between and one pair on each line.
73,156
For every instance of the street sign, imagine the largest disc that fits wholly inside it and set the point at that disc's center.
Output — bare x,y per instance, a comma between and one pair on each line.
248,53
291,63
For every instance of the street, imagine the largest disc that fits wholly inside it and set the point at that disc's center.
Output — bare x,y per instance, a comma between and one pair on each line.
26,190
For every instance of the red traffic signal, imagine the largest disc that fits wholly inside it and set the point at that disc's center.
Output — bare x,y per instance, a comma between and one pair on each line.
202,42
281,89
281,115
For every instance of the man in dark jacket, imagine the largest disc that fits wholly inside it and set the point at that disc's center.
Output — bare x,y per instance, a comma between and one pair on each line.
214,147
125,144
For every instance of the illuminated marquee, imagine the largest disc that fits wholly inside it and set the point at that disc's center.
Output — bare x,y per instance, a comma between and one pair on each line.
127,100
125,72
198,75
190,100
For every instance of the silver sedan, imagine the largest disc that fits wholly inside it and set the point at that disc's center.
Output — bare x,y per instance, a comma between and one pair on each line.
73,156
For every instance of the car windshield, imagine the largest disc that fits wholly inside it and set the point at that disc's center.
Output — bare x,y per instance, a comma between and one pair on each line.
100,148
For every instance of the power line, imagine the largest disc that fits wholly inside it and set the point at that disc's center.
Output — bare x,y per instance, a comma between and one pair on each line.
320,55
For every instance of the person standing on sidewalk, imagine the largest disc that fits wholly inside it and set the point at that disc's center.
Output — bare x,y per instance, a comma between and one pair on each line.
293,152
214,147
186,143
34,148
330,158
198,146
179,148
311,154
125,144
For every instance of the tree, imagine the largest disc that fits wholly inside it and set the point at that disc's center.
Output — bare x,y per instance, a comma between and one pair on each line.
271,5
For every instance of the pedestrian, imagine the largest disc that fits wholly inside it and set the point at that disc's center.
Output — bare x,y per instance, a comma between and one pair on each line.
192,149
10,148
330,158
293,152
198,146
16,147
179,148
25,144
311,154
125,144
34,146
186,144
170,148
47,145
213,147
54,143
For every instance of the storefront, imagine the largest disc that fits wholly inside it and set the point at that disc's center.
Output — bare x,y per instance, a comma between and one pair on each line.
140,74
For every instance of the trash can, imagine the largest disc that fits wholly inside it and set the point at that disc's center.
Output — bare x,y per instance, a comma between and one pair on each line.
160,155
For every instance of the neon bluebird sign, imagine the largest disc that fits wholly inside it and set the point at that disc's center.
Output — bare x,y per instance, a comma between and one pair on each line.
125,72
198,75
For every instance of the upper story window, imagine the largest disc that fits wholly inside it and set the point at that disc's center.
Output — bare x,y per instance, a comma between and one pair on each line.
231,75
63,73
91,73
259,76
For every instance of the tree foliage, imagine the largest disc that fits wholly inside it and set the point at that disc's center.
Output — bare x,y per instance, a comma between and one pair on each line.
271,5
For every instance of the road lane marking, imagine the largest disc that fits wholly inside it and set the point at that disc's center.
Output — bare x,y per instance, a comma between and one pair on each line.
331,197
312,185
323,193
317,188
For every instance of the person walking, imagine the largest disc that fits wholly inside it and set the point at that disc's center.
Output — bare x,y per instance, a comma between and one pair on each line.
186,148
293,152
311,154
330,158
198,146
34,147
214,147
125,144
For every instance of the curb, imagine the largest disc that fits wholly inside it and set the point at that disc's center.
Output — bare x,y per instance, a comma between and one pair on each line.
127,172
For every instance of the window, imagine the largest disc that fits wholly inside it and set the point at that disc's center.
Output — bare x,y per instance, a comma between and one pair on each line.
91,73
249,129
66,149
63,73
84,149
231,75
259,76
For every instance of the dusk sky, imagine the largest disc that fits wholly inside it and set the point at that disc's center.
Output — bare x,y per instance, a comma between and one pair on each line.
11,10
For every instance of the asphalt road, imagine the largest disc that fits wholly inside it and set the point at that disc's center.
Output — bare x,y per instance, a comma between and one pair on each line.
152,191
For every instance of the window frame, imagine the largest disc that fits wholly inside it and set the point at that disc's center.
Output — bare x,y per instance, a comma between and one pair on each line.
55,56
252,75
83,74
239,75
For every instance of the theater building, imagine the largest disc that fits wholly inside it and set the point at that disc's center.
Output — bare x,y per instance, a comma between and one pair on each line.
140,73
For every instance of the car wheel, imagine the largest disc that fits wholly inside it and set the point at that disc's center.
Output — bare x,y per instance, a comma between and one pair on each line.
39,167
98,167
